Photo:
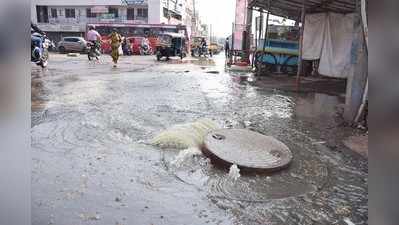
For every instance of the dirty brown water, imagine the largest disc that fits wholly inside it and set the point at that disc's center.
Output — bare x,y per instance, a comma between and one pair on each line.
93,164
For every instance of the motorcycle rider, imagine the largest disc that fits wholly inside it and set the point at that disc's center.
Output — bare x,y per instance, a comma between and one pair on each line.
145,43
94,38
204,47
36,41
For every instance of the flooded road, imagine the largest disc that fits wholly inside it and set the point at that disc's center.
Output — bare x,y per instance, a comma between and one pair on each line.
93,162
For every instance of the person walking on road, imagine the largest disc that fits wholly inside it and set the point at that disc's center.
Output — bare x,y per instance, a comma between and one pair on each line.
116,40
227,47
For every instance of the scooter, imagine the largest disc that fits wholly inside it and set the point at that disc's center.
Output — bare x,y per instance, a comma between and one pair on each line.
93,50
39,49
146,50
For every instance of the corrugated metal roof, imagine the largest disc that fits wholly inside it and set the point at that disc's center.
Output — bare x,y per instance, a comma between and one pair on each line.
292,8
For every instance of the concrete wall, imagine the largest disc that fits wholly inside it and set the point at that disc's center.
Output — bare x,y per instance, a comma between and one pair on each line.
358,78
61,23
155,12
76,2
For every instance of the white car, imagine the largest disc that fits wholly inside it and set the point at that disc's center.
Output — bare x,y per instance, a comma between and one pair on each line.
72,44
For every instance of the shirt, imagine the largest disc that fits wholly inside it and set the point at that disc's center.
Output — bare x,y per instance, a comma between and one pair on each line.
92,35
144,41
115,38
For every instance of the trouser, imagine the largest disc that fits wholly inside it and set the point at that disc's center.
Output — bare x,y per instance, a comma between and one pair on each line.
96,45
227,52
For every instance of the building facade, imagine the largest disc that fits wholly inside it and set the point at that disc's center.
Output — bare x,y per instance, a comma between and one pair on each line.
60,18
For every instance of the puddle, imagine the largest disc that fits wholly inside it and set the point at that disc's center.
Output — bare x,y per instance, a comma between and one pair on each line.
94,126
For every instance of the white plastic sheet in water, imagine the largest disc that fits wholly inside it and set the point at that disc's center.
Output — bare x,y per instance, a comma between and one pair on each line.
185,136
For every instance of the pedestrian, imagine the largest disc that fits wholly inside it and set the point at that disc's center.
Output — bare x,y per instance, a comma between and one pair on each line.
116,40
227,47
125,47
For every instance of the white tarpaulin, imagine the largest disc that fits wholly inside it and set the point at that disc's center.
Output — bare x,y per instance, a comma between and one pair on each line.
335,58
329,37
313,35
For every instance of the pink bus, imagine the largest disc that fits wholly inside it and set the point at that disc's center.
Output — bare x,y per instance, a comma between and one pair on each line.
136,31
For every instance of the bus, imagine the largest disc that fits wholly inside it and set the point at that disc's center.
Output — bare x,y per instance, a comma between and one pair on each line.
136,31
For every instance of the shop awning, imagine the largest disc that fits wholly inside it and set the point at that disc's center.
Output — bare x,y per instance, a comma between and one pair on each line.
291,9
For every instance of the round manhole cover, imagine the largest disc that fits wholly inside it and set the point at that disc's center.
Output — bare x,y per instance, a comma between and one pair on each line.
247,149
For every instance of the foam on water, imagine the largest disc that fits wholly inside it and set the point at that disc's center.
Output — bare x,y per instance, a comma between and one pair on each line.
185,156
185,136
234,172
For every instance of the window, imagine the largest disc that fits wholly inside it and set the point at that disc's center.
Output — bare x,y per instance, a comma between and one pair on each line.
71,39
54,13
89,14
142,13
42,14
113,11
130,13
70,13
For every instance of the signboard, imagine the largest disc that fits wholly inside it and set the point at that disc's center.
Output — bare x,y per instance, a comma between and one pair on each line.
61,28
107,16
173,5
99,9
135,2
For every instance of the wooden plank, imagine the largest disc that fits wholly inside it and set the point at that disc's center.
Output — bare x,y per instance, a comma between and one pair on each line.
300,63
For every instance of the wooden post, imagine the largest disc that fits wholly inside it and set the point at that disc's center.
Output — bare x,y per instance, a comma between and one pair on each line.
260,26
258,29
232,43
248,29
267,26
300,63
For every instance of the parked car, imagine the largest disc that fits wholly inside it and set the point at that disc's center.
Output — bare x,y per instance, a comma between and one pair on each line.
72,44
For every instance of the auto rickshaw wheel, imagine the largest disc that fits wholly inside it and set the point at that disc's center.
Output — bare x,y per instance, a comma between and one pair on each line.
158,56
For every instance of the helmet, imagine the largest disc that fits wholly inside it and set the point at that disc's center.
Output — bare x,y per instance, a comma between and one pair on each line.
92,27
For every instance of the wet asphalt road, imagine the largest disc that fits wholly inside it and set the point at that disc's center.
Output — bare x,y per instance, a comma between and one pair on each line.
91,163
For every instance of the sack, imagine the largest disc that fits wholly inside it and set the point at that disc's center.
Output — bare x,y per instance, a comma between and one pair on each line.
120,51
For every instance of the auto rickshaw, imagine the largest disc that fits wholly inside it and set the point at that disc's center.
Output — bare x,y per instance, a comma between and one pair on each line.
215,48
171,44
197,49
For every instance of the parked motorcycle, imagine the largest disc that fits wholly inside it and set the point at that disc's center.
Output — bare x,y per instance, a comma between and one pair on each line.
93,50
146,50
40,45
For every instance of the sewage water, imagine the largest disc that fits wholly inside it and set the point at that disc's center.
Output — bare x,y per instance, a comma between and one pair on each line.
92,143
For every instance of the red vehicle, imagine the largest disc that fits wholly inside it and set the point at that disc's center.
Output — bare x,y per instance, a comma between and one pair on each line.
135,33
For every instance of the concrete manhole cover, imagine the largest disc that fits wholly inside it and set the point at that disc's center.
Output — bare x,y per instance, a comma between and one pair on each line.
247,149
